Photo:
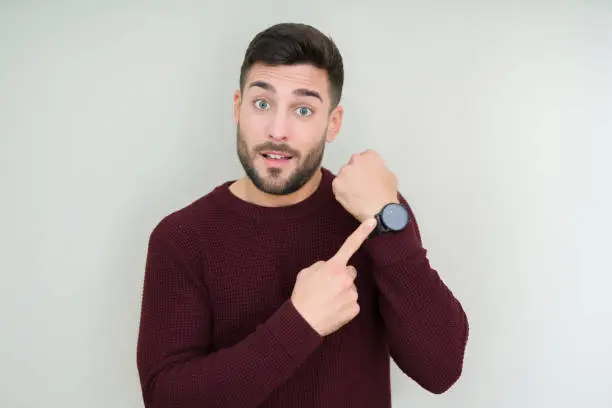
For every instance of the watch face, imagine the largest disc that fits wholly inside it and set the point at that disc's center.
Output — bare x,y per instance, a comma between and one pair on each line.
395,217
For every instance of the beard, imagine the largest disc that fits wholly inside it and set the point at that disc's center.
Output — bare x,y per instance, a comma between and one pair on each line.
273,182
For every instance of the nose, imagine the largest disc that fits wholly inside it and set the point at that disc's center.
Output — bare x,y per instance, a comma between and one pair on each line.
278,130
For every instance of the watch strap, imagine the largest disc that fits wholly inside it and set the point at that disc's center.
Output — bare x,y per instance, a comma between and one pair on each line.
380,228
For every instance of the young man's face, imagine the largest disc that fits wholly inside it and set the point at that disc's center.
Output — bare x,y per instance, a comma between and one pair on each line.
283,122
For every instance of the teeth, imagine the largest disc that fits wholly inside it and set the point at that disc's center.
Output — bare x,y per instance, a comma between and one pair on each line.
275,156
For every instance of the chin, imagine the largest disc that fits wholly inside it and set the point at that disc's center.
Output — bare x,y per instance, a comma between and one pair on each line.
276,181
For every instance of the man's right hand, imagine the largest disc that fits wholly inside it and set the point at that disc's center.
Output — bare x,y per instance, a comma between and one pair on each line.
325,294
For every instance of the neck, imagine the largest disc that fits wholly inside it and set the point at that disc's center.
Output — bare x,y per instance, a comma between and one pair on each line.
247,191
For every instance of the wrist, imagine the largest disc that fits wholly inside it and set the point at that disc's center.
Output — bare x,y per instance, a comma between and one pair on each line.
305,316
375,209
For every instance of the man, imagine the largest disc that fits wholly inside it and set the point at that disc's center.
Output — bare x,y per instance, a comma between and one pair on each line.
293,287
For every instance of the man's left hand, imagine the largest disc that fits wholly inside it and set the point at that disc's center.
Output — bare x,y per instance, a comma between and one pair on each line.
364,185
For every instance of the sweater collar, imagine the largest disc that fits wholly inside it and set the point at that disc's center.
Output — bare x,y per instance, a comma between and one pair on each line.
323,194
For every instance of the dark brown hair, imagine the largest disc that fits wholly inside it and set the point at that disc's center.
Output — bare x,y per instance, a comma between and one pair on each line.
296,43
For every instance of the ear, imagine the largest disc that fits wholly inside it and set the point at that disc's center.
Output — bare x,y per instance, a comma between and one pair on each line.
335,122
237,102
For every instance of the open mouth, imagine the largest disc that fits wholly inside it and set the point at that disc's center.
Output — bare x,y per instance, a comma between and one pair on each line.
276,156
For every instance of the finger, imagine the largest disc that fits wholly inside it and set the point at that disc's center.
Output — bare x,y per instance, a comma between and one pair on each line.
353,242
312,268
351,271
351,309
354,292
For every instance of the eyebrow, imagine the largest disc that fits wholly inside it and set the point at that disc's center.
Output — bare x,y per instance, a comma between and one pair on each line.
298,92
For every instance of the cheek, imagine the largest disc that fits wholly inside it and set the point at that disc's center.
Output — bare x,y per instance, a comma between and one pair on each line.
251,126
317,133
309,130
256,121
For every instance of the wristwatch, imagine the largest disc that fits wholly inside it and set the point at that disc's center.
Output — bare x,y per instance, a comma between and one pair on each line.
392,218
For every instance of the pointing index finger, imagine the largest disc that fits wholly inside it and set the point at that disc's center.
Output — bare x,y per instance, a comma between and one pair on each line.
354,242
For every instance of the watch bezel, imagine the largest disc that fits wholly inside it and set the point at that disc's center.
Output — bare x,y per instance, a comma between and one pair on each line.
385,209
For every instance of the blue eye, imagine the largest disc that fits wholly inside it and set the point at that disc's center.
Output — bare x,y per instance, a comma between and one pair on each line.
304,111
261,104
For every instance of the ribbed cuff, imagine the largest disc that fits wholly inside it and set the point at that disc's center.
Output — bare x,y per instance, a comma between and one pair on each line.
295,335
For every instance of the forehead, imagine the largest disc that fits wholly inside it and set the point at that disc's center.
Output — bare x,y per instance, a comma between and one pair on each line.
286,78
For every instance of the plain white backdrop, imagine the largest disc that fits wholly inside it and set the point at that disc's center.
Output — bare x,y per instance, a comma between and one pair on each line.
496,116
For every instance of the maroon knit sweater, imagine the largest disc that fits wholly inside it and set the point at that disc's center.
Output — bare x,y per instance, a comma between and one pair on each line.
218,328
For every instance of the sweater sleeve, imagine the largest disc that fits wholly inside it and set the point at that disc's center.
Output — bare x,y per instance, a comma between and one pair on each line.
426,325
176,364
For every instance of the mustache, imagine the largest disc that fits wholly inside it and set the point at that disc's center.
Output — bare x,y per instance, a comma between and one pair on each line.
282,148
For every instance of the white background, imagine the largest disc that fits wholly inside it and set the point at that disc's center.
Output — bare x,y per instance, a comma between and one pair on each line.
496,116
